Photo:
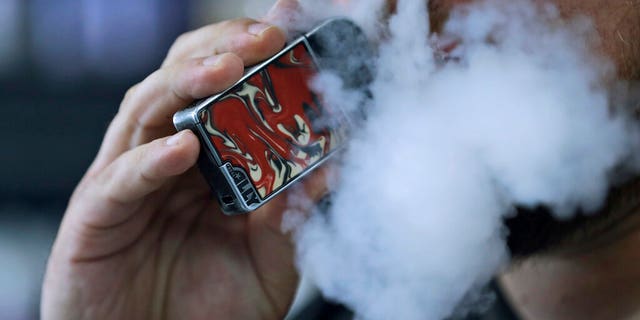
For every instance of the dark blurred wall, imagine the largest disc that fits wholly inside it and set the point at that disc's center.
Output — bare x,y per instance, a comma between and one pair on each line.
64,67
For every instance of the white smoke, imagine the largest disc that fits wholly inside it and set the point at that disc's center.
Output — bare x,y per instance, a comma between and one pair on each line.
299,16
521,116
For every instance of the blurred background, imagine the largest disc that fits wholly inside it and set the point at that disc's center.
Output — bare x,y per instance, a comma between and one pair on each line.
64,67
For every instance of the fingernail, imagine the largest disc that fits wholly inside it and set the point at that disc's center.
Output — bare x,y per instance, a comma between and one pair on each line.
211,61
258,28
175,139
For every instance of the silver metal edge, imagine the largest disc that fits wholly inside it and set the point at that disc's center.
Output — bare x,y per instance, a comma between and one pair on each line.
185,118
238,196
209,146
322,25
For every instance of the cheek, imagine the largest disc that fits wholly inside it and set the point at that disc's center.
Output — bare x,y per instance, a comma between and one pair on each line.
621,39
617,23
439,12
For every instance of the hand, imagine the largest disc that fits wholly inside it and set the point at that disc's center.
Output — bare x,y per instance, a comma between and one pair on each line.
141,237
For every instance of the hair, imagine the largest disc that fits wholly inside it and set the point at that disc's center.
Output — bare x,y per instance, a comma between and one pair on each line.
629,56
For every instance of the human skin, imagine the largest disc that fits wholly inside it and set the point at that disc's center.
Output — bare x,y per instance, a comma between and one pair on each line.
617,22
597,281
600,283
142,237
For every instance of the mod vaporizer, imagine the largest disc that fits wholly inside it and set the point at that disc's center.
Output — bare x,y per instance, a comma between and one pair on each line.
270,129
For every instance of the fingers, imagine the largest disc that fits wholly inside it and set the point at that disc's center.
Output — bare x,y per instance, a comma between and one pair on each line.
148,107
252,40
119,190
110,210
147,110
154,100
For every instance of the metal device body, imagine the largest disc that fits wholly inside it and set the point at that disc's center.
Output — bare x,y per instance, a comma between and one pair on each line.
269,129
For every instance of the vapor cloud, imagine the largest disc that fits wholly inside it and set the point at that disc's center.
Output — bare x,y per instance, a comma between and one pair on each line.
520,115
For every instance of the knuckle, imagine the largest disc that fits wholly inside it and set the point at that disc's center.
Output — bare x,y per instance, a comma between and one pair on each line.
80,191
177,47
181,39
264,48
134,96
234,23
221,25
130,93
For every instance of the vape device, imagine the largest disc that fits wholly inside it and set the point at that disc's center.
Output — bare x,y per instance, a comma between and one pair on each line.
270,129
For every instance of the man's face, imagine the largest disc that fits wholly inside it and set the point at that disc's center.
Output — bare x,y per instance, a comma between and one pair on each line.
618,25
617,21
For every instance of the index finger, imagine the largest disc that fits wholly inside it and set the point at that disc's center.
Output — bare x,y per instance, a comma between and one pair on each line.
249,39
